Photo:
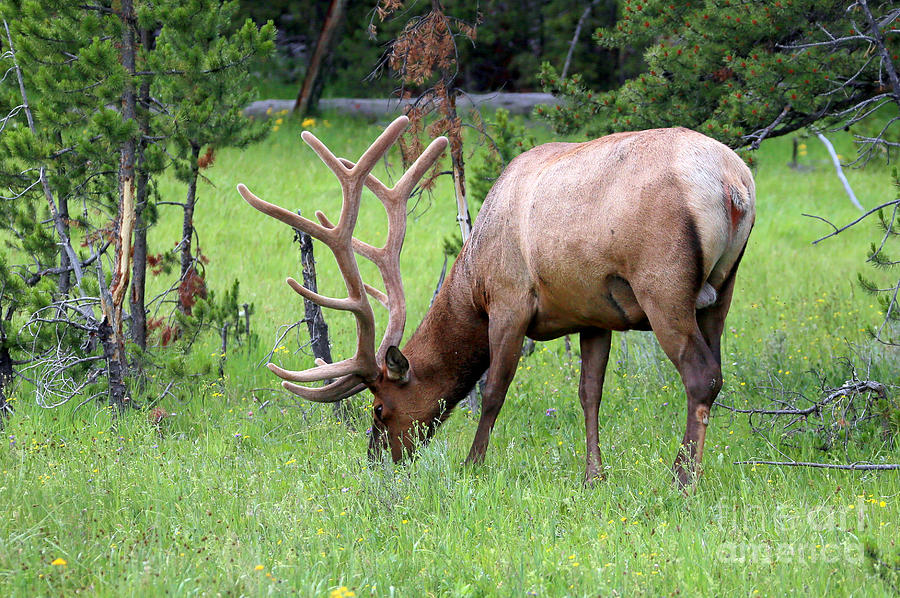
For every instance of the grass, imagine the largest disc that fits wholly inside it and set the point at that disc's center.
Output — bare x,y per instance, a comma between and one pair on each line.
248,492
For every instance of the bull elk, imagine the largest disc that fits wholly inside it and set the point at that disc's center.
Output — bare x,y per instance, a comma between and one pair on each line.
641,230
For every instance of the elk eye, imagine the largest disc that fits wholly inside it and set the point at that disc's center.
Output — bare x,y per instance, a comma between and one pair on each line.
378,410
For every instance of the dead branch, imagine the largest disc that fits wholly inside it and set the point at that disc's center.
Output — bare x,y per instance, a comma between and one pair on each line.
575,36
839,170
835,415
857,221
760,135
851,466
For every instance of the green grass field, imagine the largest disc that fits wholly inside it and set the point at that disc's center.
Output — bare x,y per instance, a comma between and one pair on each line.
247,491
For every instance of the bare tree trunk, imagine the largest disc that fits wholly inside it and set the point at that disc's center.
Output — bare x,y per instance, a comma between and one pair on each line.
307,99
139,267
315,322
528,347
115,372
224,335
187,231
60,225
886,63
575,36
6,376
459,169
6,366
112,302
139,270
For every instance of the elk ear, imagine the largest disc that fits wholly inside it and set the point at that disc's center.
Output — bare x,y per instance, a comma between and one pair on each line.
396,365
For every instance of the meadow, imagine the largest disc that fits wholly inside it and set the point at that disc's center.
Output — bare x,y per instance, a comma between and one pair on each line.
247,490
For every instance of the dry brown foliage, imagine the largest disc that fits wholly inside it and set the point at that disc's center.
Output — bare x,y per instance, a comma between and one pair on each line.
207,159
191,287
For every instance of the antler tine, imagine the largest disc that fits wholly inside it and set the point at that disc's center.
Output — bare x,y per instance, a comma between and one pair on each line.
325,154
380,146
340,389
412,176
288,217
346,304
320,372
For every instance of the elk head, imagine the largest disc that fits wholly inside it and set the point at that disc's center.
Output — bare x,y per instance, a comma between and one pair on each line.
397,416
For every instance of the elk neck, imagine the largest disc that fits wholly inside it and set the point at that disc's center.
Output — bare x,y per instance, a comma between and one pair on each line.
449,351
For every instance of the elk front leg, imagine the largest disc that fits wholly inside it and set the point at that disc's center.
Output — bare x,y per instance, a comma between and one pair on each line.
505,335
594,356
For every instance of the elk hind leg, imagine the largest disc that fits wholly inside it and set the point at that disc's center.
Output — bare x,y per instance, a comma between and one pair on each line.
594,356
679,334
712,319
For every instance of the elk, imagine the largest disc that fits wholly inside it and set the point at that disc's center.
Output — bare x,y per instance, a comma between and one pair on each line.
639,230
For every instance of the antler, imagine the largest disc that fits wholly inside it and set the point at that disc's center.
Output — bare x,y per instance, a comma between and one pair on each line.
365,364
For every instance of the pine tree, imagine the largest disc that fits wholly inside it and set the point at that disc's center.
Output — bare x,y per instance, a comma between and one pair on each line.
71,76
202,58
736,71
87,128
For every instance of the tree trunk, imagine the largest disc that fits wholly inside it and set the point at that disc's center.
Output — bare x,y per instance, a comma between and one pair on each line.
112,334
6,376
139,274
459,167
224,335
126,212
186,290
315,322
308,97
60,225
575,36
115,372
139,266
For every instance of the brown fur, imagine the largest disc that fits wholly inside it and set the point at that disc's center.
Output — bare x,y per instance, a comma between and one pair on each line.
611,234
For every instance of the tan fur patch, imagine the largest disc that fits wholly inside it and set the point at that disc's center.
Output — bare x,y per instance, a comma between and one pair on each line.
702,415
